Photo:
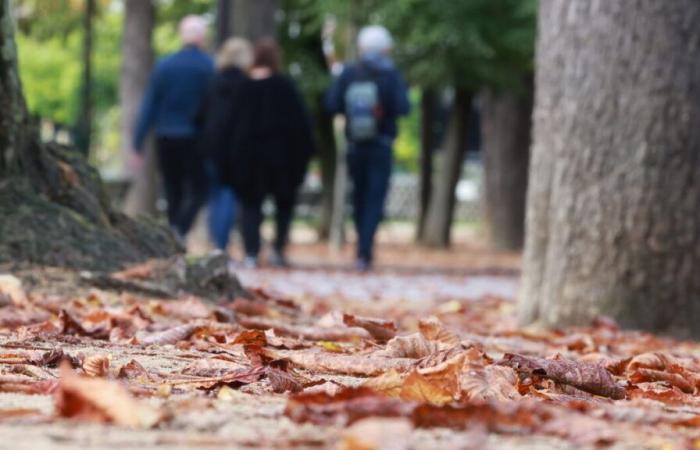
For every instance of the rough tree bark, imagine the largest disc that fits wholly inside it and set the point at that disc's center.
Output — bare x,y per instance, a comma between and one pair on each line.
427,148
137,60
53,207
442,200
612,220
506,121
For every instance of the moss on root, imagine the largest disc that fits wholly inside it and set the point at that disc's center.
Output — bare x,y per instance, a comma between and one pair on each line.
57,213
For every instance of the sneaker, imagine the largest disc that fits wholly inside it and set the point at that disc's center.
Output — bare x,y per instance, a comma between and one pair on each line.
363,265
278,260
250,262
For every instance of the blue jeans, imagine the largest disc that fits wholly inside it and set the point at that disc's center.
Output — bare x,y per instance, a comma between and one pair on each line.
222,209
370,170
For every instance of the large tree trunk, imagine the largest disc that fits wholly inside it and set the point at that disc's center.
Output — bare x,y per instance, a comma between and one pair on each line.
138,55
506,120
442,201
53,207
252,19
612,220
427,148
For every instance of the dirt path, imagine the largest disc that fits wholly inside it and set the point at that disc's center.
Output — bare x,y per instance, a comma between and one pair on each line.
84,368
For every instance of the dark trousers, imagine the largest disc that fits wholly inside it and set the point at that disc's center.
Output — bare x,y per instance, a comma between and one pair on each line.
370,169
184,180
252,218
222,208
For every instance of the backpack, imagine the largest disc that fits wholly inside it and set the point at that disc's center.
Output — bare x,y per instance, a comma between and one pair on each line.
363,108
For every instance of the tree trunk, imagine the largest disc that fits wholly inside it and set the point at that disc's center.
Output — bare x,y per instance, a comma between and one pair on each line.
253,19
427,147
83,132
442,201
53,206
138,55
506,120
612,220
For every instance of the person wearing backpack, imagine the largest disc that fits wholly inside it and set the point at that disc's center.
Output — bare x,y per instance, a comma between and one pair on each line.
372,95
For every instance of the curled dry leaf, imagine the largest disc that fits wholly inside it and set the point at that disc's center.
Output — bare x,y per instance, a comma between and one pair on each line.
100,400
434,330
98,325
312,333
436,385
134,370
661,361
587,377
684,381
412,346
496,383
381,330
96,365
357,364
251,337
283,381
169,336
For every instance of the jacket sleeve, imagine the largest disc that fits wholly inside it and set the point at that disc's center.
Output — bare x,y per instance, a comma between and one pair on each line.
147,114
335,97
402,102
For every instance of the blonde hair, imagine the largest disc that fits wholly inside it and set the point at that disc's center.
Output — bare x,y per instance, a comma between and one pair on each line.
235,52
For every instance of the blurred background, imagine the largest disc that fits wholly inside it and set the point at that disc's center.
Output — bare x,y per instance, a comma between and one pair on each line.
461,156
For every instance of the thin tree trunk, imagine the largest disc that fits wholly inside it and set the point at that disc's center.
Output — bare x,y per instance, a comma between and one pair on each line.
83,134
138,55
612,220
253,19
427,148
223,19
506,120
442,202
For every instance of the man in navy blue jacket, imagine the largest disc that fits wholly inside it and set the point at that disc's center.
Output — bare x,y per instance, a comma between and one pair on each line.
372,95
173,97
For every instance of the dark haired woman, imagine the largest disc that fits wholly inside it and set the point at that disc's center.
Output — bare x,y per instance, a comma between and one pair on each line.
271,148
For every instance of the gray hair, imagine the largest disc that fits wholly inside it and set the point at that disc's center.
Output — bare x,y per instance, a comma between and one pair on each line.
235,52
193,30
374,39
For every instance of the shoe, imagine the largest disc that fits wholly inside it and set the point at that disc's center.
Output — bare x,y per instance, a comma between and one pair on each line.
250,262
363,265
278,260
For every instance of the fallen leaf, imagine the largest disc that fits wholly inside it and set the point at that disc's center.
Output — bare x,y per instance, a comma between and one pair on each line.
169,336
282,381
412,346
381,330
251,337
496,383
100,400
587,377
356,364
133,370
435,331
96,365
683,381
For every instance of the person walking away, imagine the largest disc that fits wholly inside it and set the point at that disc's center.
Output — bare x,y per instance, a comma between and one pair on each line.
173,97
372,95
233,62
271,148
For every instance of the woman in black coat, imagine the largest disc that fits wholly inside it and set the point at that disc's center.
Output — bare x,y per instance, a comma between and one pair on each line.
233,62
271,148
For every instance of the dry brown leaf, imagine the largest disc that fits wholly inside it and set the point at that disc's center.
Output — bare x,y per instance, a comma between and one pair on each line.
169,336
434,330
100,400
134,370
381,330
411,346
324,362
683,381
251,337
312,333
96,365
587,377
489,383
282,381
